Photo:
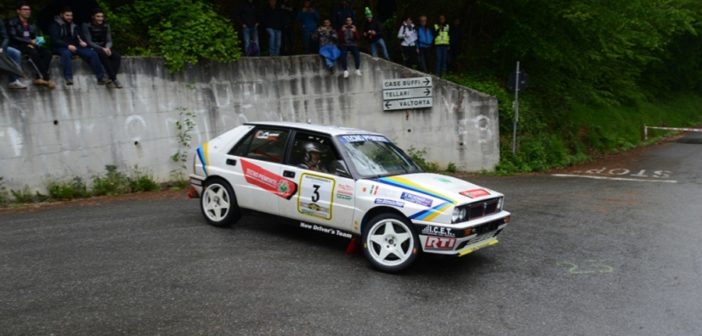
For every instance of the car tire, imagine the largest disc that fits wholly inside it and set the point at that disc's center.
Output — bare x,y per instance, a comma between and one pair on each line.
390,243
218,203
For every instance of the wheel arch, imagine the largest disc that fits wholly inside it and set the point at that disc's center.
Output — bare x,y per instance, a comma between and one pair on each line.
377,211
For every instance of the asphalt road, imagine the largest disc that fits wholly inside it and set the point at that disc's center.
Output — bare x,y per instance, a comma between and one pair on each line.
615,253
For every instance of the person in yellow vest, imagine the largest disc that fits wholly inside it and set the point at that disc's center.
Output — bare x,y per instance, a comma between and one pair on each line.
441,43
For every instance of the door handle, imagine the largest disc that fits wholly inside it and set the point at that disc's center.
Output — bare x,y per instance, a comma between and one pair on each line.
288,173
231,162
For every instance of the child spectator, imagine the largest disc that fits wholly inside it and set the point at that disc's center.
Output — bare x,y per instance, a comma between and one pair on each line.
348,37
67,42
373,32
408,41
442,43
326,35
425,38
14,54
308,17
248,19
25,37
273,21
98,36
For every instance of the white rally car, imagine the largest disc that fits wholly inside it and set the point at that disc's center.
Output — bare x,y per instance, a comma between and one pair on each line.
345,182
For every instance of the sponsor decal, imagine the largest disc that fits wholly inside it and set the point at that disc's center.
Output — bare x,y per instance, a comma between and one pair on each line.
440,243
443,179
421,200
362,138
344,191
385,201
267,135
326,230
267,180
475,193
342,196
438,231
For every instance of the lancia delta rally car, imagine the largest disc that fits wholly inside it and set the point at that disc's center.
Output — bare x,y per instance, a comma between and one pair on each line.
345,182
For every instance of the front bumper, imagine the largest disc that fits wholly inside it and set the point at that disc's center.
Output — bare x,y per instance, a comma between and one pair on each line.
463,238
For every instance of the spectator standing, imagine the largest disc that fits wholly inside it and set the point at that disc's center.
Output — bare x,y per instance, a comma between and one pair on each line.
408,41
442,43
340,14
247,16
26,37
273,18
348,40
425,38
66,41
373,32
98,36
327,37
308,17
386,10
456,35
288,13
14,54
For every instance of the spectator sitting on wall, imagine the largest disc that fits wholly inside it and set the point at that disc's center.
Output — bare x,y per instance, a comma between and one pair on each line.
326,35
408,41
26,37
348,40
308,17
425,38
14,54
340,14
373,32
247,16
67,42
273,22
98,36
442,43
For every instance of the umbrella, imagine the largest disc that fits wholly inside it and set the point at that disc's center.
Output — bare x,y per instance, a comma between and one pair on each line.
9,66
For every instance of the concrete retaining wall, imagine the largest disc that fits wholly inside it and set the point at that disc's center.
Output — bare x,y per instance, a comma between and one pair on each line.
76,131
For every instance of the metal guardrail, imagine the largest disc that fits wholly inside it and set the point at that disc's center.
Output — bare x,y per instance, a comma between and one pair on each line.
679,129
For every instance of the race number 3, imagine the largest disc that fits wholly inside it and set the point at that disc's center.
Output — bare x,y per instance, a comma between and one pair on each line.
315,197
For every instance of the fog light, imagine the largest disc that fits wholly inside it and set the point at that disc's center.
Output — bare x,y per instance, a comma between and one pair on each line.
467,232
507,219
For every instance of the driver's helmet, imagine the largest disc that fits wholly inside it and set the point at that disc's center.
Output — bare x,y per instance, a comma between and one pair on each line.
312,147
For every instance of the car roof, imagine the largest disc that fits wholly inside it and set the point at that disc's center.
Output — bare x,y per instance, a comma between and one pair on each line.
331,130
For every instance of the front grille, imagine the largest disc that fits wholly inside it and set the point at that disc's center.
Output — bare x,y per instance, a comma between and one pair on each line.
482,209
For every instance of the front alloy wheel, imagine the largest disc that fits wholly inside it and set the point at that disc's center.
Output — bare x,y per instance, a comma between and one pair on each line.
389,243
218,203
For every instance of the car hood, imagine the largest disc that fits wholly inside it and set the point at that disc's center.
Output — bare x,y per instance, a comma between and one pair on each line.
449,188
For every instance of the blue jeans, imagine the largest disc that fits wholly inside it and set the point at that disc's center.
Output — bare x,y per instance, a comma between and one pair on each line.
16,56
380,43
274,36
87,54
251,34
441,59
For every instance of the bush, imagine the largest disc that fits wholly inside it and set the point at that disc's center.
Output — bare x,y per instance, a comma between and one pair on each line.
74,188
4,199
418,156
112,183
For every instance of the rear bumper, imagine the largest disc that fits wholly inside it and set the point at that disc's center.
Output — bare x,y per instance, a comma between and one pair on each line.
196,182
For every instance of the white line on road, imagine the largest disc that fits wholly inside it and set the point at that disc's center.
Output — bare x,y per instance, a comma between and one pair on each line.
614,178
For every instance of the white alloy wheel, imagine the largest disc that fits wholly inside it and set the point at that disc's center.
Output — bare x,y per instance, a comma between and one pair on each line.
390,243
219,204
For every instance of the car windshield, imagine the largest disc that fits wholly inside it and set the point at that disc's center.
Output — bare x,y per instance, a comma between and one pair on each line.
375,156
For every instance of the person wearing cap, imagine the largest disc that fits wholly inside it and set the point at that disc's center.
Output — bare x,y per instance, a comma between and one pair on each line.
14,54
373,32
313,157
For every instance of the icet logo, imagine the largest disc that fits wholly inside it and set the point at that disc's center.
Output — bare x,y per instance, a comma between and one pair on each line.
440,243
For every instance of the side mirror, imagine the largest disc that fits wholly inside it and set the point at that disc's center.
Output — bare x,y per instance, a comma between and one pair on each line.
340,169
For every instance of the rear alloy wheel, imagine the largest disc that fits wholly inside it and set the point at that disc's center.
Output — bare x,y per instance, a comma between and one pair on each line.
389,243
218,203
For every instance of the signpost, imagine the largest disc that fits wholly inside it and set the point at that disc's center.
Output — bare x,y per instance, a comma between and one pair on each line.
518,81
407,93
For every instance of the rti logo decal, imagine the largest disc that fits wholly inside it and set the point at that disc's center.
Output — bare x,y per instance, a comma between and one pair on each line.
440,243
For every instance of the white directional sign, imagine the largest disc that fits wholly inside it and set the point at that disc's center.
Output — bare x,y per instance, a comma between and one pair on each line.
407,93
403,83
406,104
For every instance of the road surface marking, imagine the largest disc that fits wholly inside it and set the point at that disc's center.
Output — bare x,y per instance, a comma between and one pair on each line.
614,178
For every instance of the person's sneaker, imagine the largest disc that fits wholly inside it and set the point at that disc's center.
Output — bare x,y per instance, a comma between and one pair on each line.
103,81
69,82
17,85
358,72
116,84
346,74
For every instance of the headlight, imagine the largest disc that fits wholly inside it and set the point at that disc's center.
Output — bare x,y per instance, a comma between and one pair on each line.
459,214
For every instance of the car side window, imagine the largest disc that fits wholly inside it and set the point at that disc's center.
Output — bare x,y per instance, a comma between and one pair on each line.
314,152
263,144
